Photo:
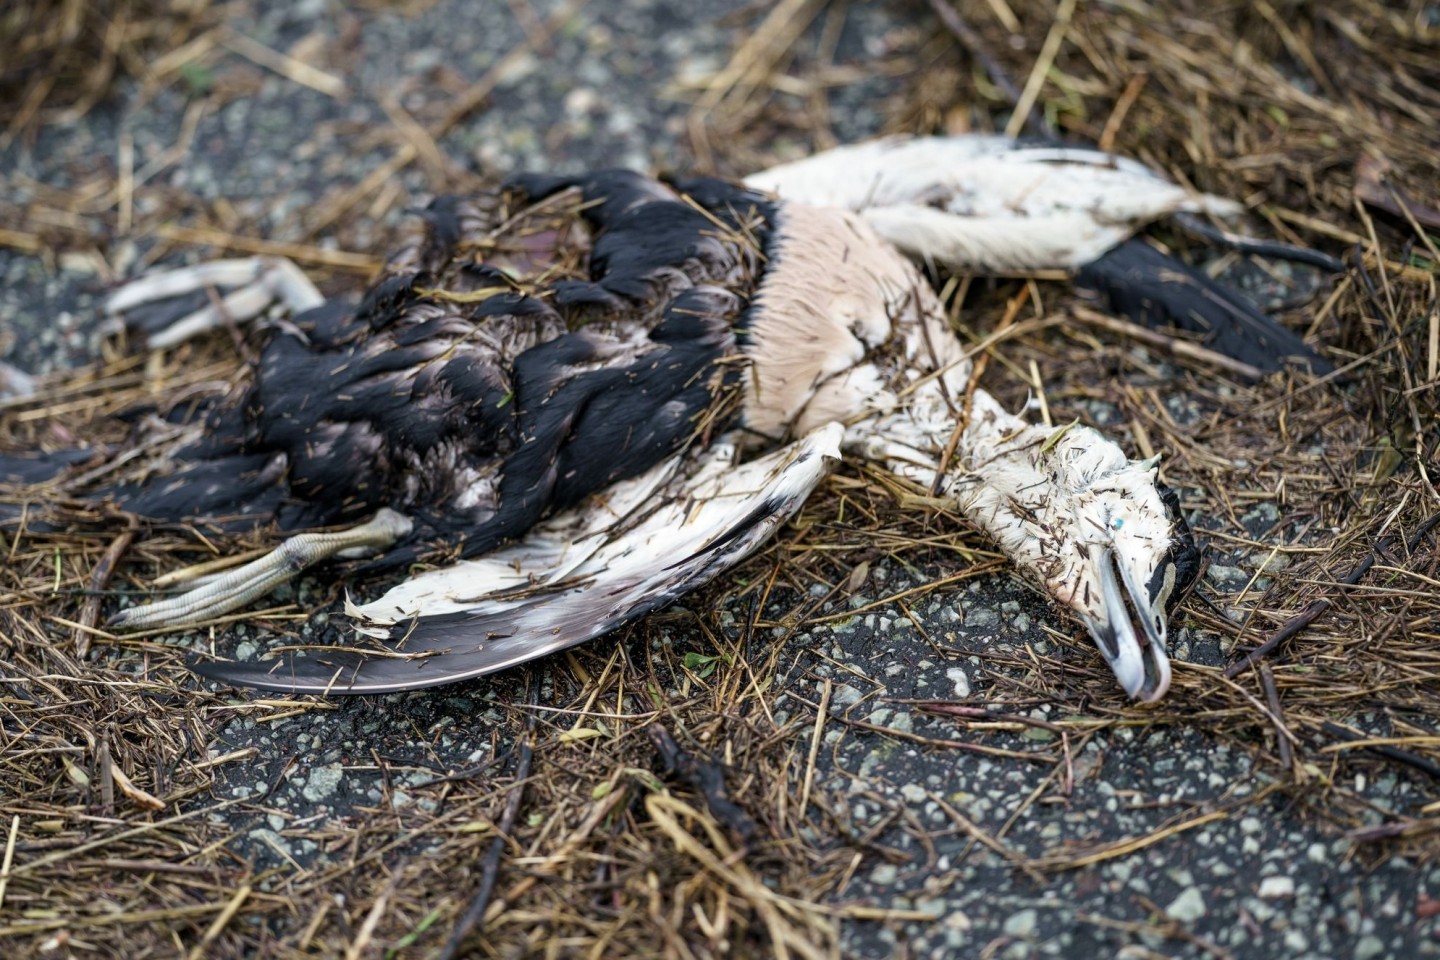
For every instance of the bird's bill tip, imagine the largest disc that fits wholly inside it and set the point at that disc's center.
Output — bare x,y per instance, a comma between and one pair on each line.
1142,668
1129,630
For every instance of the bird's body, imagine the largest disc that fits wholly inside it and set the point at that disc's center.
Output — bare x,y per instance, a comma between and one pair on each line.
506,366
598,392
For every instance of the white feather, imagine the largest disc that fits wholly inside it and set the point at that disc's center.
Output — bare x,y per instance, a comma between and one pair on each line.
989,203
632,535
551,551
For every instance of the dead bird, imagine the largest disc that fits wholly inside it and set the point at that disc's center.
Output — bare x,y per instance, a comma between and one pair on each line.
592,394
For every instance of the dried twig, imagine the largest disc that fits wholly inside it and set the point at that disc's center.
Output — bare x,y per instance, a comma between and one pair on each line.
1311,613
490,868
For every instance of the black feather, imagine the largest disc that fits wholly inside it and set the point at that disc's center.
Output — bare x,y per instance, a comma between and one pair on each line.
421,392
1150,287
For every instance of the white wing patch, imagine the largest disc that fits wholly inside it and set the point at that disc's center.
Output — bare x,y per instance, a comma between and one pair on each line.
634,527
989,203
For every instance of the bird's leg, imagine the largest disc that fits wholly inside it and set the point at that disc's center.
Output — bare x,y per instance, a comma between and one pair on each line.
170,307
1066,504
221,593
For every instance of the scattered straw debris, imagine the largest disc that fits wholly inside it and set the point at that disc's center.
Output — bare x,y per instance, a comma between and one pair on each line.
62,58
649,799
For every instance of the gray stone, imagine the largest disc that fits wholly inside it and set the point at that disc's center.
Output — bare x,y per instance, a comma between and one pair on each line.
1277,888
1188,907
1021,923
323,782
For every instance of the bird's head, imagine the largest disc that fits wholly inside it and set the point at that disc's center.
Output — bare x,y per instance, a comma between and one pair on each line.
1097,530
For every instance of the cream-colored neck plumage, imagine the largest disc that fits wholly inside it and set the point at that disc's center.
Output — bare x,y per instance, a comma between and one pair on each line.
841,344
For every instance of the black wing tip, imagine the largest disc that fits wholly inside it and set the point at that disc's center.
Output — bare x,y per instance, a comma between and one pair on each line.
1154,289
353,672
286,675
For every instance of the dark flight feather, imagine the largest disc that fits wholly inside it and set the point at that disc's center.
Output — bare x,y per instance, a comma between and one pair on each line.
1150,287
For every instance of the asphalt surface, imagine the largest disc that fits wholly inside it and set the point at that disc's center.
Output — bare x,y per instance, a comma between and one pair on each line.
1272,881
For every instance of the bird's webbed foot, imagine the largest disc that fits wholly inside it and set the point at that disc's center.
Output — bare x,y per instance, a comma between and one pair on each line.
220,593
172,306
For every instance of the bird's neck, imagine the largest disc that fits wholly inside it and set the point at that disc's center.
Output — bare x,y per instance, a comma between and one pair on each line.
843,344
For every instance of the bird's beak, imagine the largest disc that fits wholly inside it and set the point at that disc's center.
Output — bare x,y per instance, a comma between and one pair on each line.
1129,624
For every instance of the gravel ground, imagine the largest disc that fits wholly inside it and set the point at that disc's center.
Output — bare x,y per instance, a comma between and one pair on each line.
1272,881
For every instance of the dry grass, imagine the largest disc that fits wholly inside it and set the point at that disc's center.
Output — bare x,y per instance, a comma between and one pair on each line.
62,58
573,837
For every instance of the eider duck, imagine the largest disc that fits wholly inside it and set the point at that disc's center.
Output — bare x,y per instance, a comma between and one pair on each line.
588,395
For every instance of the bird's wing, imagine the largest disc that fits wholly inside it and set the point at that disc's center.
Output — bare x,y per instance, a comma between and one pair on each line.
553,550
711,514
529,349
986,202
999,204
